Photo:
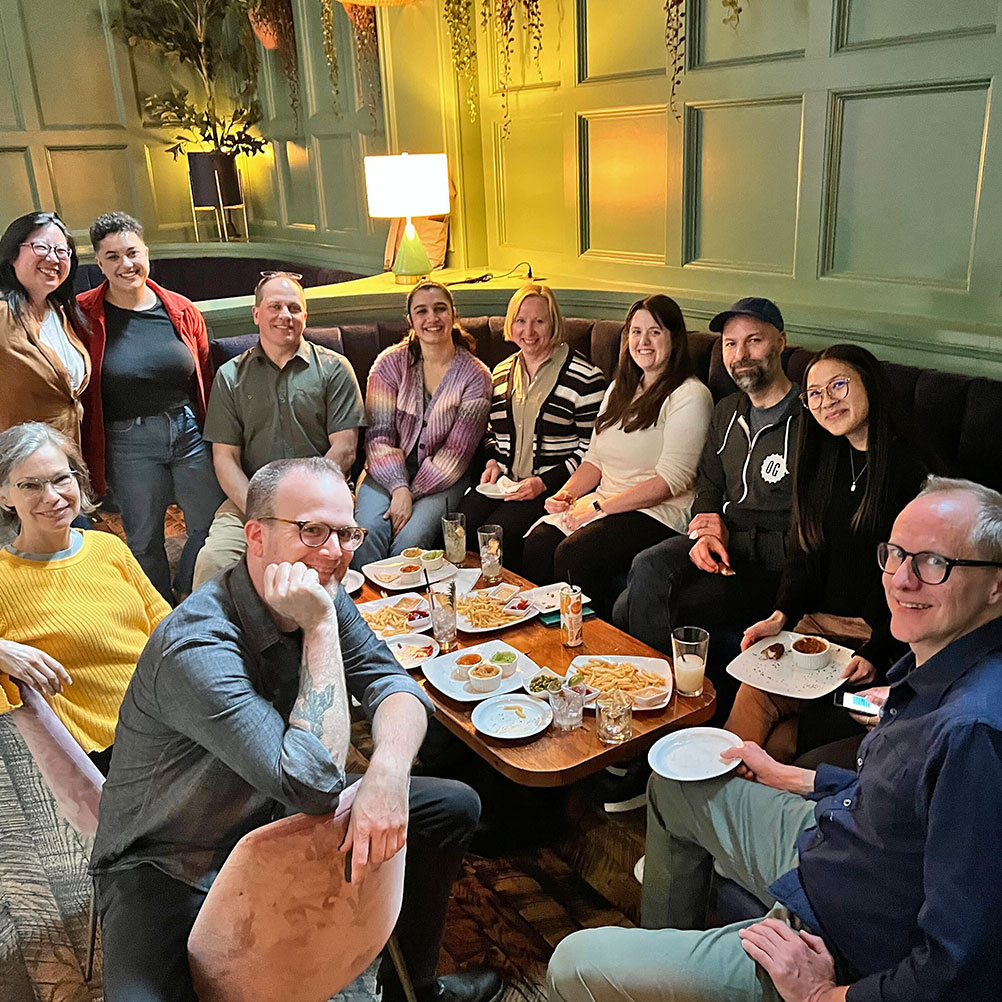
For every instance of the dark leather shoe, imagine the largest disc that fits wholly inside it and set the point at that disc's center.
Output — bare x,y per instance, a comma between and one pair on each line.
479,984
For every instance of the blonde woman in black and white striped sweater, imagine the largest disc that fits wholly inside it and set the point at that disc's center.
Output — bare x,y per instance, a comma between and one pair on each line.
545,400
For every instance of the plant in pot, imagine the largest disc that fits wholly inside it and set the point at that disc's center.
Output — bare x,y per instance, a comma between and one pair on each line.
274,27
211,42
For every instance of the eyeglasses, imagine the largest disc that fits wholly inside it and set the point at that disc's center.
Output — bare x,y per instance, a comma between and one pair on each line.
316,534
930,568
41,249
60,482
294,275
837,389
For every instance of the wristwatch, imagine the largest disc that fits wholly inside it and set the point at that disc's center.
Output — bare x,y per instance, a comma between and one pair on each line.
596,504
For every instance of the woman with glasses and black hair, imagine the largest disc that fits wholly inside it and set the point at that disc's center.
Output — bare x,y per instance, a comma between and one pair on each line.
146,403
634,485
43,358
76,608
855,469
426,402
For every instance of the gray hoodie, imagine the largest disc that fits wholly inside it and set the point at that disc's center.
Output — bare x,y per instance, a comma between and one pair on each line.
748,480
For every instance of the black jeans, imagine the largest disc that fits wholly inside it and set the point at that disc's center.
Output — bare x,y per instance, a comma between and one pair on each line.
597,556
146,916
514,517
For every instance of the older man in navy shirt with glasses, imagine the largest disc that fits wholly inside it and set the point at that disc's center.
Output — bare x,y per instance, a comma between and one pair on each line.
887,881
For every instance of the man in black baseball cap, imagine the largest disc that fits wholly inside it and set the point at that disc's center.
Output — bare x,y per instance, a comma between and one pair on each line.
750,306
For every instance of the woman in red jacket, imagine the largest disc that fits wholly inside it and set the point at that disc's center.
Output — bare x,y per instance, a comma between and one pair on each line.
146,402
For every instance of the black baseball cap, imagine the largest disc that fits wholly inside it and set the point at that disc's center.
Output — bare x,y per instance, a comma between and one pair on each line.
751,306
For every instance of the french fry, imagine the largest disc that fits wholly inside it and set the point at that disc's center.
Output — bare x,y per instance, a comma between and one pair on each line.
621,676
484,612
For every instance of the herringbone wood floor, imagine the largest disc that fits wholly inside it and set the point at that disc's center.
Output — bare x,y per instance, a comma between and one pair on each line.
509,911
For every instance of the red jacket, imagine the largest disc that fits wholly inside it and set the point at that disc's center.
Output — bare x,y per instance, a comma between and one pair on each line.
190,326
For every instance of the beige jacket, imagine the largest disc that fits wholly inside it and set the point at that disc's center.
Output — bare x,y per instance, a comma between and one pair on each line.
34,384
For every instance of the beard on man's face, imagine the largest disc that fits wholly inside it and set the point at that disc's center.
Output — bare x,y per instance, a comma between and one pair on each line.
752,376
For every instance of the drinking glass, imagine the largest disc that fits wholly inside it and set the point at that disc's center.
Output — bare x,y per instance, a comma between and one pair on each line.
454,535
614,717
688,648
442,595
568,708
490,553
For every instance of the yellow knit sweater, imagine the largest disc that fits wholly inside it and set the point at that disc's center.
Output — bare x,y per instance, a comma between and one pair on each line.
93,612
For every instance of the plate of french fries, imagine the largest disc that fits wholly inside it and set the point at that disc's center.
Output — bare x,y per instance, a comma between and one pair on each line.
396,615
482,612
648,681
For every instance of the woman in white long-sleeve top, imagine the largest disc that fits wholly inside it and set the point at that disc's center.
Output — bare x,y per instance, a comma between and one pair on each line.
634,487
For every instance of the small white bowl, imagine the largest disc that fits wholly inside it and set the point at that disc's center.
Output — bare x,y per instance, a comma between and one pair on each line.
431,560
413,553
649,697
461,672
507,667
546,673
811,660
484,683
410,577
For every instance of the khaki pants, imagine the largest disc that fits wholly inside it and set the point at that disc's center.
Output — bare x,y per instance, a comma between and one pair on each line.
751,832
225,544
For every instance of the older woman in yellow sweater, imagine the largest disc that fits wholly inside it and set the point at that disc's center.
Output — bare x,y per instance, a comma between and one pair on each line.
76,609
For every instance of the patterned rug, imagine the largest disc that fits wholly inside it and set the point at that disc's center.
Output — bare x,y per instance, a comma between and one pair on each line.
45,891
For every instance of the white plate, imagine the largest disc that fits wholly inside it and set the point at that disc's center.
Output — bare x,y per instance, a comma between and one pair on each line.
659,666
498,718
353,581
547,598
501,489
462,623
414,626
396,643
693,753
392,565
784,677
439,672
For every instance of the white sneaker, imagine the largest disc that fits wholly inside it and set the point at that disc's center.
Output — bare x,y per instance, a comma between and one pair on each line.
638,870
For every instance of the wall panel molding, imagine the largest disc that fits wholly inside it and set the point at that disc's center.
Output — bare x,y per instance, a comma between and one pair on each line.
972,22
607,43
915,153
742,169
710,43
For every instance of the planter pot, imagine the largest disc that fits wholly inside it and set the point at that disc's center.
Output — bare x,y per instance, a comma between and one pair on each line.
265,33
204,169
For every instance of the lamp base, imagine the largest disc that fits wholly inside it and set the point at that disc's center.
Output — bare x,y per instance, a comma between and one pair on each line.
411,263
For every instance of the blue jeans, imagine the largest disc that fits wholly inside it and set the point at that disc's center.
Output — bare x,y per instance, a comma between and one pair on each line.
423,528
153,461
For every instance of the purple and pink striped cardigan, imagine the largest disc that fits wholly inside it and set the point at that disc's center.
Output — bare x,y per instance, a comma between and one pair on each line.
454,422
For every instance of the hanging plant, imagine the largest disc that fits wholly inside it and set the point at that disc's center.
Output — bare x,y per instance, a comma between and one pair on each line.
330,44
275,29
501,15
363,25
675,38
459,19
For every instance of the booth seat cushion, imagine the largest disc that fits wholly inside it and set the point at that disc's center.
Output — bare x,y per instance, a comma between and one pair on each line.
223,349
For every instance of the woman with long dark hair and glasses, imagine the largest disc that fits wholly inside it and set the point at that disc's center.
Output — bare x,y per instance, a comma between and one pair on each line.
634,486
43,357
856,468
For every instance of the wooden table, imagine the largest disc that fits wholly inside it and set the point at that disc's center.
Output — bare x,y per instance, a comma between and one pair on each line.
556,758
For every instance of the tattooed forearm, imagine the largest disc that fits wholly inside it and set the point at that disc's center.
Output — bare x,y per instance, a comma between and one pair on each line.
322,705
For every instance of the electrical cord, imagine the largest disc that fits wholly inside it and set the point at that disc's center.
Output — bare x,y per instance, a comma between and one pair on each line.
489,276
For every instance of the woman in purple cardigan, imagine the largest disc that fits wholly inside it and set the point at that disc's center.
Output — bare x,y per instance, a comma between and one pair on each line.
426,402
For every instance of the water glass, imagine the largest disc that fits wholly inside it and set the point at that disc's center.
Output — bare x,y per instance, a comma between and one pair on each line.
614,717
454,536
568,708
490,553
688,648
442,595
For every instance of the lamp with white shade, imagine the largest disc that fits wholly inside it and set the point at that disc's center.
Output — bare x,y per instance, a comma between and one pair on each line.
403,186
